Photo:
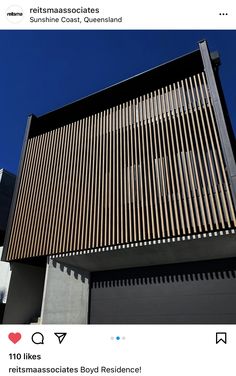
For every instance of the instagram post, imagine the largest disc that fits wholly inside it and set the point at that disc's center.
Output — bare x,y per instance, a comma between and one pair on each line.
117,189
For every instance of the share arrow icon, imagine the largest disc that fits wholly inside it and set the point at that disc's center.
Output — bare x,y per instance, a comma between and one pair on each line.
60,336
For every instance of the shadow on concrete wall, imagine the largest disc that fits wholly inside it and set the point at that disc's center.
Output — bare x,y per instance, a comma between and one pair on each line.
164,274
78,273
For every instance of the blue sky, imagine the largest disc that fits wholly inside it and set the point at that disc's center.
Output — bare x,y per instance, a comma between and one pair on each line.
43,70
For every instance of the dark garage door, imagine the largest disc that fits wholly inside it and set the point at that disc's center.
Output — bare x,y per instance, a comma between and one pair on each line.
200,292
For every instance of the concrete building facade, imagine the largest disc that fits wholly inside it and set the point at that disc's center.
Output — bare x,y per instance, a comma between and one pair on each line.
127,199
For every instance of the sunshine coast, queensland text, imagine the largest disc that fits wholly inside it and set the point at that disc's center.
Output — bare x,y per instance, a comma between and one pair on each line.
75,20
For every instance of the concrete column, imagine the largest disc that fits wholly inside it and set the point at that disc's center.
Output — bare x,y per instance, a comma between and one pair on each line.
66,294
25,294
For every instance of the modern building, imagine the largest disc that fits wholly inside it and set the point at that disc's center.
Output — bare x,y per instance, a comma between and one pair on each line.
127,199
7,183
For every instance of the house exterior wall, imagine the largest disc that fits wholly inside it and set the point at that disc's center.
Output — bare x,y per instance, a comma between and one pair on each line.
7,183
148,168
66,294
140,175
25,294
190,293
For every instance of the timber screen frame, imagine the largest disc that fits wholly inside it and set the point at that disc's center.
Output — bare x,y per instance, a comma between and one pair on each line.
148,161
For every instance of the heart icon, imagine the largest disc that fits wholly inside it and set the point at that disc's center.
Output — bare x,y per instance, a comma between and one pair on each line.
14,337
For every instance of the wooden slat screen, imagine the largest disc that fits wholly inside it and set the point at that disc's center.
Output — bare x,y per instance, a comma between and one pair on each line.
150,168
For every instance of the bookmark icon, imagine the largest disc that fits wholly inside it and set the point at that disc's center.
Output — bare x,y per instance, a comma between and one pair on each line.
221,337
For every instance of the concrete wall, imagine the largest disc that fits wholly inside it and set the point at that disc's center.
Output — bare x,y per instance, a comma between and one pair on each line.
25,294
66,294
5,275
